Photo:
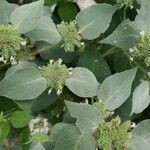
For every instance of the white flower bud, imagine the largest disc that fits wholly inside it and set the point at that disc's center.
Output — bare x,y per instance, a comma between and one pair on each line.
24,43
59,92
49,91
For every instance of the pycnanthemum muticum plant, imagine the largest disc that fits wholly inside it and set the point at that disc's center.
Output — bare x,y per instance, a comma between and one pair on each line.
56,74
90,106
70,36
10,43
141,50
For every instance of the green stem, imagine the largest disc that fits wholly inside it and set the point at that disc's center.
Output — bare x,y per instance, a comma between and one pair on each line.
47,47
92,100
109,52
136,63
125,13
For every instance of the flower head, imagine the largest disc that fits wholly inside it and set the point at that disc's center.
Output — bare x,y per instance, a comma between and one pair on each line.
141,49
10,43
113,134
39,129
70,36
126,3
56,74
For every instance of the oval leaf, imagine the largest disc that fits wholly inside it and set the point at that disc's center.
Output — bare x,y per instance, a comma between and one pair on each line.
24,84
26,17
141,97
45,31
72,138
141,136
82,82
19,119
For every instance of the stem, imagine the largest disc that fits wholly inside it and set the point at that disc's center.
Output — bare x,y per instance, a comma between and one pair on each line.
109,52
136,63
124,13
92,100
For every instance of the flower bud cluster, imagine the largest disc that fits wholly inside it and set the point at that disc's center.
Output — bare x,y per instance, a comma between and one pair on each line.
141,50
38,125
10,44
111,133
70,36
39,129
56,74
126,3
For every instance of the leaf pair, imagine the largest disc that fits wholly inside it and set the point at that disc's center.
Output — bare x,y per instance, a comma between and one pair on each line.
29,19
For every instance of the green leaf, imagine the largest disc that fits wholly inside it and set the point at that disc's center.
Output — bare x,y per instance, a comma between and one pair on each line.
67,11
141,136
26,106
141,98
92,60
26,17
45,31
95,20
88,117
19,119
36,146
141,2
19,66
24,84
4,129
124,36
82,82
7,104
5,10
56,132
115,90
121,62
47,11
142,20
73,139
44,100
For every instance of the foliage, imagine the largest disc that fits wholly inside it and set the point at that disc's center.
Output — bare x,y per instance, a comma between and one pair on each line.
74,79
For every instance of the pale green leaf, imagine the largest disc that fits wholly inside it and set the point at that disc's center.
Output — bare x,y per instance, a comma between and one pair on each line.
141,137
19,66
82,82
73,139
24,84
124,36
5,11
88,117
115,90
141,97
45,31
95,20
26,17
142,20
36,146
